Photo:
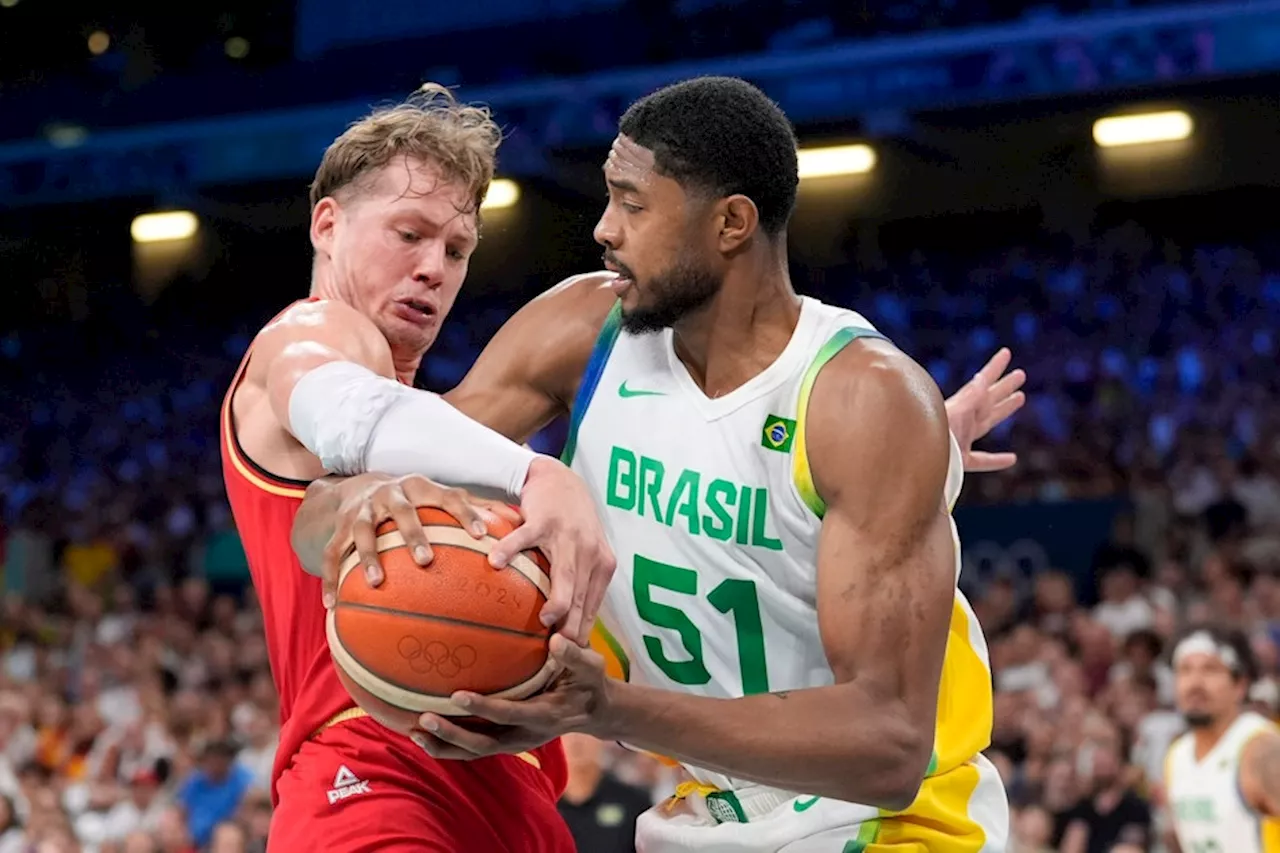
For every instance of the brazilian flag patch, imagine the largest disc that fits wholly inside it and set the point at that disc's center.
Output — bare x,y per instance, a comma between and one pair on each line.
778,433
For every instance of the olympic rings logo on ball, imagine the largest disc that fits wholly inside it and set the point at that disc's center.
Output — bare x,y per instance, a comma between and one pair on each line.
436,656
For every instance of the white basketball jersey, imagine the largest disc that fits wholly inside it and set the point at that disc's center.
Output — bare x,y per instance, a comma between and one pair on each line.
1209,813
710,507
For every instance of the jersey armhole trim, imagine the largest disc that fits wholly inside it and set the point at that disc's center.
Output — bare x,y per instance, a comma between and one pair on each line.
801,471
591,378
1166,783
250,470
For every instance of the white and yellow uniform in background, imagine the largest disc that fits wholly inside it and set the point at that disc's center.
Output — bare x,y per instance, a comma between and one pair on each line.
1208,809
711,509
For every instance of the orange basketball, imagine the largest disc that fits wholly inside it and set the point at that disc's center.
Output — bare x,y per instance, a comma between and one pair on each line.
403,647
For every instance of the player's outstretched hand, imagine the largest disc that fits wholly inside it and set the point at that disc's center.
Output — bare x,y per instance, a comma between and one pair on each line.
368,500
578,701
988,398
561,519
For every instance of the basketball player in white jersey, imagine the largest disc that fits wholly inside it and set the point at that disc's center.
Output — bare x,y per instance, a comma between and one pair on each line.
1222,778
776,480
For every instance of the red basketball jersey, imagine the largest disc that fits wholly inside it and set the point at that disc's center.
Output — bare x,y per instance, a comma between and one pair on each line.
263,506
293,615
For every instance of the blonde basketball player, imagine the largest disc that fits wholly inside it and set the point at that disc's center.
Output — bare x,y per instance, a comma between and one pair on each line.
1222,778
776,480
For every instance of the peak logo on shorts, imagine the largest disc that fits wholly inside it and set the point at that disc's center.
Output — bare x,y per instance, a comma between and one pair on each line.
346,784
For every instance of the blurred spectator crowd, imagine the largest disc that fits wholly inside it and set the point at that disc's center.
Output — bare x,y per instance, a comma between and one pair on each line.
136,706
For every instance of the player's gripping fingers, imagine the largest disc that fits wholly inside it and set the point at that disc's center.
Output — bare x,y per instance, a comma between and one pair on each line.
574,658
576,624
335,550
523,538
530,535
423,492
458,503
404,513
502,510
441,749
449,740
504,712
597,586
353,534
565,576
492,510
364,533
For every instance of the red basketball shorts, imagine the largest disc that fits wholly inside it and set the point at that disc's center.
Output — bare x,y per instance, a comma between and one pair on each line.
353,788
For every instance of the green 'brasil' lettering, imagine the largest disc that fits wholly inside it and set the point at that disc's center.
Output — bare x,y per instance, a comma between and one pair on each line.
650,483
722,510
719,525
758,534
1209,845
1194,810
622,473
684,500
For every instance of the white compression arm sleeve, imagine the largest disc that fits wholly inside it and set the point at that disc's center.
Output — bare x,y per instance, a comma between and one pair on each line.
355,421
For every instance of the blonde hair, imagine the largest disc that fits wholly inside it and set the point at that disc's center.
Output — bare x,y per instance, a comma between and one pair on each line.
459,139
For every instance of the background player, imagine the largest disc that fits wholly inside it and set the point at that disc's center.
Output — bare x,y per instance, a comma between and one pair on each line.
326,387
776,479
1222,778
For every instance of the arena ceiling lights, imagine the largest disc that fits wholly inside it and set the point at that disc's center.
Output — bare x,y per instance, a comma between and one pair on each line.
503,192
164,225
1142,128
836,160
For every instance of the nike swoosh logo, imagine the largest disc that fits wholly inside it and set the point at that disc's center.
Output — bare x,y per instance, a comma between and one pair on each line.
805,805
624,391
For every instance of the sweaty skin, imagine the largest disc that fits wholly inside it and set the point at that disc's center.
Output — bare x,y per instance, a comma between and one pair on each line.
529,373
701,266
1260,774
886,570
390,261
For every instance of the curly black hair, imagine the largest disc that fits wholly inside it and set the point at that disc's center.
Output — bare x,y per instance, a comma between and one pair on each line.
721,136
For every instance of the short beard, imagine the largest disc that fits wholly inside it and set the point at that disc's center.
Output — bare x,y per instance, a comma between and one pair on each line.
1198,719
675,294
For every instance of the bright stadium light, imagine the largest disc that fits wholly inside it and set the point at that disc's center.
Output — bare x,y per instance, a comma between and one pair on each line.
1140,128
99,42
502,193
168,225
838,160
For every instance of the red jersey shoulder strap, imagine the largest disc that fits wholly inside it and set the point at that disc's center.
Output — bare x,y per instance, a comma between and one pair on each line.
248,470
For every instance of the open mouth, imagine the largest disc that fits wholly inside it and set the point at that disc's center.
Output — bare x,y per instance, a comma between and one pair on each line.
618,269
424,308
417,311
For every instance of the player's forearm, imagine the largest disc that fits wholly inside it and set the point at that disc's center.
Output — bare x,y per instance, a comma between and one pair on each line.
834,741
356,421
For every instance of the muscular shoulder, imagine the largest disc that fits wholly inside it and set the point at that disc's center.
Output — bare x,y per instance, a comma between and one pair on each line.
1262,745
1260,771
325,325
874,412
